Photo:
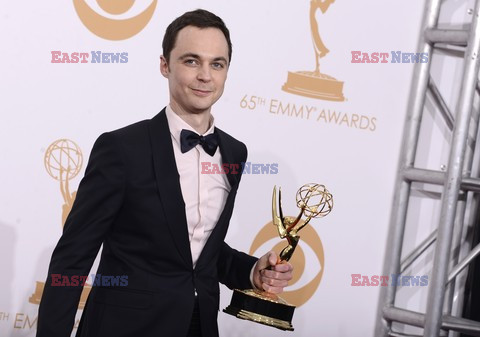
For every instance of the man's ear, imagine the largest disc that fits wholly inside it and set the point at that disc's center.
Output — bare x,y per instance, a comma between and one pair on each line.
164,66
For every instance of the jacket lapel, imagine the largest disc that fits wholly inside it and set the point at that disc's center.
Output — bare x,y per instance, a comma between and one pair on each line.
228,157
168,184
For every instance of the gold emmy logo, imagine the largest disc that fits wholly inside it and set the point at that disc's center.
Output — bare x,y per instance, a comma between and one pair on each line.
63,161
112,29
315,84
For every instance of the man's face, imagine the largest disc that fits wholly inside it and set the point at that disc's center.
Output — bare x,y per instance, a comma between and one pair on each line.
197,69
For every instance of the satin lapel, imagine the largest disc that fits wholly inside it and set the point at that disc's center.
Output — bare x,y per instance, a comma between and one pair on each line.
228,158
168,183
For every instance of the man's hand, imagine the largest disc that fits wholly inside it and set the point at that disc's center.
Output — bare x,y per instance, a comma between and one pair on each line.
273,279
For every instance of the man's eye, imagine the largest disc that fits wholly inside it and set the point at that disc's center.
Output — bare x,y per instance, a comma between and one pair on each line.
218,65
190,61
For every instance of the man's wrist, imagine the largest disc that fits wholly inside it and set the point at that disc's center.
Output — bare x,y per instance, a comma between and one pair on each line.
251,277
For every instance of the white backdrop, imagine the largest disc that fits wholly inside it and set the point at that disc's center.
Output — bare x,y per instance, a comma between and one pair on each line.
44,101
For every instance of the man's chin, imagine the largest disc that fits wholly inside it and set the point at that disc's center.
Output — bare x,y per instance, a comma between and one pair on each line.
202,107
198,110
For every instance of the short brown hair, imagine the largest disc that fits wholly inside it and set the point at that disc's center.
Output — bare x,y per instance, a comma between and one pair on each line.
199,18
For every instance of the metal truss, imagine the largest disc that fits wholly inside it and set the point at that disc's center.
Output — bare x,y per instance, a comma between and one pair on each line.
452,251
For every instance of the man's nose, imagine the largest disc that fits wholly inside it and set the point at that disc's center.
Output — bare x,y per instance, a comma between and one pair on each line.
204,73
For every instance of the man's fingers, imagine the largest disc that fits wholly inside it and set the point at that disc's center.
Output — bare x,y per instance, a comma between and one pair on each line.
271,289
273,274
275,279
274,282
283,267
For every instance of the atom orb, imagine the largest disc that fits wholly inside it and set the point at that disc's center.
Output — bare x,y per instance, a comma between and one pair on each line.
316,200
63,160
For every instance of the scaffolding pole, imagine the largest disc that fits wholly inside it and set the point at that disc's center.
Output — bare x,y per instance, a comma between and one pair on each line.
407,157
456,183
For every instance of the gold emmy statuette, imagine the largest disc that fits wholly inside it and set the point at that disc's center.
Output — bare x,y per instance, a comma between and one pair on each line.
63,161
315,84
255,305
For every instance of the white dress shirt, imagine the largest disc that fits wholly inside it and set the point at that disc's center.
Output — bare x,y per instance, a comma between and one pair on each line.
204,194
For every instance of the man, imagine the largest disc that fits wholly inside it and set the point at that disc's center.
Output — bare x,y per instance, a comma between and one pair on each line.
161,222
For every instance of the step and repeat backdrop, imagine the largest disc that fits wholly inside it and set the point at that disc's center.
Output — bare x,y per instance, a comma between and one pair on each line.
317,90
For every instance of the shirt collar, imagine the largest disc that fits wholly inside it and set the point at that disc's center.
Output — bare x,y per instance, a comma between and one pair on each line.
176,124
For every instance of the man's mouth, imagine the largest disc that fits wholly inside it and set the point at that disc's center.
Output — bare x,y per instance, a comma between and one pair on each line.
201,92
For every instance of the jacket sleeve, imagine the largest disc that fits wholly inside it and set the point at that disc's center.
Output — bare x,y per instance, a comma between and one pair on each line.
234,268
99,197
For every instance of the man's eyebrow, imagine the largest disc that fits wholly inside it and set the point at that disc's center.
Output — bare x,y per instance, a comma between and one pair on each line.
188,55
221,58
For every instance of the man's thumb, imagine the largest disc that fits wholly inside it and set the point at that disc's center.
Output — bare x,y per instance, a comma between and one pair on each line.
269,259
272,258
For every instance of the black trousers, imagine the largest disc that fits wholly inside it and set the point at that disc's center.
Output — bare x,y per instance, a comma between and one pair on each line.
195,330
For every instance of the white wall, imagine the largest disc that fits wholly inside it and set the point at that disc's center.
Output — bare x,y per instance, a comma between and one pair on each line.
43,101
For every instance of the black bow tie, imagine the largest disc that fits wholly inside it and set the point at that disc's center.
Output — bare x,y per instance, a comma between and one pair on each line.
189,139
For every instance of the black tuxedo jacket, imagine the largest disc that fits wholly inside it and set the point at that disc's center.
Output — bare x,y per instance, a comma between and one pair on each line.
130,200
